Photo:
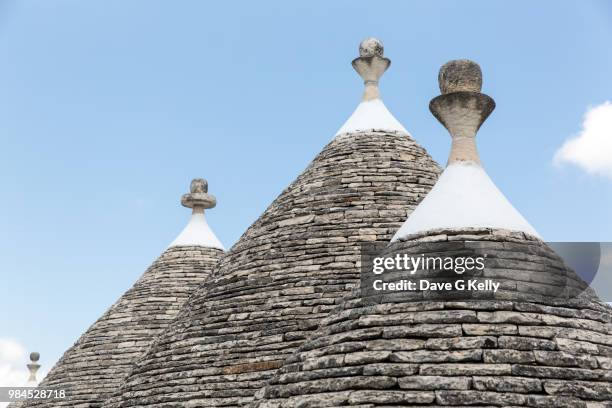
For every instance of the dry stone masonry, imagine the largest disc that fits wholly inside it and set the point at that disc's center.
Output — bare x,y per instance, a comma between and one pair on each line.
98,362
523,348
282,321
543,340
287,271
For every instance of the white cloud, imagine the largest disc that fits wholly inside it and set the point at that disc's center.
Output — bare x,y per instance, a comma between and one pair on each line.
13,370
591,149
13,360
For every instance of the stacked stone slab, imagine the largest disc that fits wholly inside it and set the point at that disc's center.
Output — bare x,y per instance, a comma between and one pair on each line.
542,340
521,348
288,270
102,357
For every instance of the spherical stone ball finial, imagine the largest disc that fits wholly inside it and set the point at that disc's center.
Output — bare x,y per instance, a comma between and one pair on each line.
34,356
199,185
371,47
460,76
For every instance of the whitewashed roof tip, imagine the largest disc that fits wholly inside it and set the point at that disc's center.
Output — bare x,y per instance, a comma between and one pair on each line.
198,232
371,114
464,195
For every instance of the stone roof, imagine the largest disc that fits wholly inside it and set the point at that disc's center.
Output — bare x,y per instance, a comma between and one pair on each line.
537,343
287,271
542,339
102,357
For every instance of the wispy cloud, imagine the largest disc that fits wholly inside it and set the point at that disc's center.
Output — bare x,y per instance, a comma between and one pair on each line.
591,149
13,359
13,370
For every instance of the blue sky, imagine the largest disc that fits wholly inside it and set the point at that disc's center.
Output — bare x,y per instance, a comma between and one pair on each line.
109,108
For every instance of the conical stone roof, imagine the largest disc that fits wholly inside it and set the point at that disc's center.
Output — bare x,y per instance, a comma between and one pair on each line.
289,268
102,357
542,339
521,348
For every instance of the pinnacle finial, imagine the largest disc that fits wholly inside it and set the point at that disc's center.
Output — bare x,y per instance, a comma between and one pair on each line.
371,47
33,366
371,65
461,108
198,198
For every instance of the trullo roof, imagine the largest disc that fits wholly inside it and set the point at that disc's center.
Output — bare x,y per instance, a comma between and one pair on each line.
542,340
102,357
290,267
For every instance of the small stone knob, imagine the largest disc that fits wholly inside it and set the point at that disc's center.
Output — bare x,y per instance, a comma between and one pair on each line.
34,356
460,76
199,185
371,47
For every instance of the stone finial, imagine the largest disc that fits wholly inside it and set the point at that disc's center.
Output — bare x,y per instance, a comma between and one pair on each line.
370,47
371,65
460,76
461,108
33,366
198,198
198,186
